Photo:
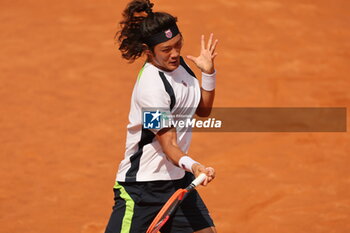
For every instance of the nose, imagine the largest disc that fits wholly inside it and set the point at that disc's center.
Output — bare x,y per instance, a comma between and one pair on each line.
175,53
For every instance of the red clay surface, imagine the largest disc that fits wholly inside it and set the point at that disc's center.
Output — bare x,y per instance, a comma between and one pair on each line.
65,96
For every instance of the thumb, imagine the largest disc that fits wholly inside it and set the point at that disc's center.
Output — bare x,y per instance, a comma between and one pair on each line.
192,58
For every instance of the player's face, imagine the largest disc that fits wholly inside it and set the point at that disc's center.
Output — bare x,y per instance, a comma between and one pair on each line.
166,55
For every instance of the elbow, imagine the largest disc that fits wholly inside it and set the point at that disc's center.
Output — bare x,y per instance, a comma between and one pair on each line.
203,112
169,148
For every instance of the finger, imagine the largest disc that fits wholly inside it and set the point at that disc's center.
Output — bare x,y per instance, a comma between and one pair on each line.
210,180
210,41
205,182
212,49
214,56
202,42
211,172
208,170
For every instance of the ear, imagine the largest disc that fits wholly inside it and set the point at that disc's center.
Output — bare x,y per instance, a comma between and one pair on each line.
147,50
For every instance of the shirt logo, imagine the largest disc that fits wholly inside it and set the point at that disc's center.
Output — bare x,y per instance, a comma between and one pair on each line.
184,83
168,33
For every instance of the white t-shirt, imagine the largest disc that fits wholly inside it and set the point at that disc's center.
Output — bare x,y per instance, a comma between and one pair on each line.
144,159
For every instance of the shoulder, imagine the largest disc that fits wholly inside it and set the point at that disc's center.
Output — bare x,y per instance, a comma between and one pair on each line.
149,83
148,76
186,67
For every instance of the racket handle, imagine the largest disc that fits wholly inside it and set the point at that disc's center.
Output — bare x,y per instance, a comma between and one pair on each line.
199,180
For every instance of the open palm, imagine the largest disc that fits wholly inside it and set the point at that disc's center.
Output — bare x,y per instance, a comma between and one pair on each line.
205,61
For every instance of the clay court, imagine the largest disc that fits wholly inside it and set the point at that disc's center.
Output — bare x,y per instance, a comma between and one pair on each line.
65,94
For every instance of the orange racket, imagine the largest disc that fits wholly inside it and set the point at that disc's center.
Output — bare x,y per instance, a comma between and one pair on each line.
172,204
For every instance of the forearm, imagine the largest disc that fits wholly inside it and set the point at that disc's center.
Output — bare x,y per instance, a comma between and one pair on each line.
206,103
173,152
179,158
207,94
168,141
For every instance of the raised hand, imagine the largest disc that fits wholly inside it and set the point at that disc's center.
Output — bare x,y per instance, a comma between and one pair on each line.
205,61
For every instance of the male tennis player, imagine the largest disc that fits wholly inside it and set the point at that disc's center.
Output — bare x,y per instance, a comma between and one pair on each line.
156,161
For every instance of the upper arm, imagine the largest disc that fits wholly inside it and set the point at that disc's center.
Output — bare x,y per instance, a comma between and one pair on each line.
150,91
150,95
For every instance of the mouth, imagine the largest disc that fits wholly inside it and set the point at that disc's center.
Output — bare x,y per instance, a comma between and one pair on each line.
174,63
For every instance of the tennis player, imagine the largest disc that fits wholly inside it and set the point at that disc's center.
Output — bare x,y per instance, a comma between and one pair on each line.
156,161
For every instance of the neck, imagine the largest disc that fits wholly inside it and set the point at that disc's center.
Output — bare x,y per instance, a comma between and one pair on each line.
156,65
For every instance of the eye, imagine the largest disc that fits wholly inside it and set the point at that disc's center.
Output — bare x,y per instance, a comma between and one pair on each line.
179,44
166,50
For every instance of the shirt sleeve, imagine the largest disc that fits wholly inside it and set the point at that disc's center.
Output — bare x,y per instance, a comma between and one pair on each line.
154,103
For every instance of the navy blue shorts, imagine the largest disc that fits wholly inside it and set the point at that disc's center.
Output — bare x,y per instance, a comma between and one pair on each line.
137,203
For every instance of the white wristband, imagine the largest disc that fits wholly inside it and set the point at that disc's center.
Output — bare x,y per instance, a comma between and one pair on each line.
209,81
186,163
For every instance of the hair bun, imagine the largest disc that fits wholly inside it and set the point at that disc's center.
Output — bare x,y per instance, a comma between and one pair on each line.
149,10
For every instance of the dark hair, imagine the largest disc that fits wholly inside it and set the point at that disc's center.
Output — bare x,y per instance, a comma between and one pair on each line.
139,22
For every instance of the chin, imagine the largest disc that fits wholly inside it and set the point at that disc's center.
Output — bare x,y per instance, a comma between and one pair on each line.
173,67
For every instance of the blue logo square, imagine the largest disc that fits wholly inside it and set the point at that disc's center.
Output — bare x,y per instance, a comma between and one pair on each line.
152,119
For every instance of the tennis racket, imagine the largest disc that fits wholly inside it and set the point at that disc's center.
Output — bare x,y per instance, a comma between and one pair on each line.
172,204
